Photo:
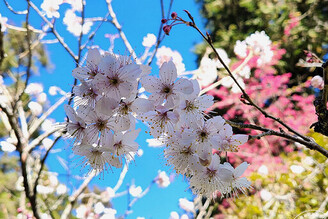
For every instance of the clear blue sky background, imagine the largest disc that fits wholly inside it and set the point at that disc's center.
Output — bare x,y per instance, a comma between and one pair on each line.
138,17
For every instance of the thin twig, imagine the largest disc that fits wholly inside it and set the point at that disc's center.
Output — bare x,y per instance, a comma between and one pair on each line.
91,35
312,145
45,115
119,28
12,10
73,198
245,95
53,30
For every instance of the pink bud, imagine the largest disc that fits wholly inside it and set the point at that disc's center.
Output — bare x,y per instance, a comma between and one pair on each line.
163,21
317,82
174,15
167,29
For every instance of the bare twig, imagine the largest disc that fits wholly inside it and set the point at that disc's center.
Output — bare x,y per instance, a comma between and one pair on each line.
73,198
53,30
160,37
12,10
39,121
91,35
312,145
119,28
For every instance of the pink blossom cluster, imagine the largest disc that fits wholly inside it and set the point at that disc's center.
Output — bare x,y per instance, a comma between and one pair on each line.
107,103
292,23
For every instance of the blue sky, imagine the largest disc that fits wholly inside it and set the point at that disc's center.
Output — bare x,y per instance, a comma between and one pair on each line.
137,17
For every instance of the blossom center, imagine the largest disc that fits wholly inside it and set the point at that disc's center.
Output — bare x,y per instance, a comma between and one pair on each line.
166,90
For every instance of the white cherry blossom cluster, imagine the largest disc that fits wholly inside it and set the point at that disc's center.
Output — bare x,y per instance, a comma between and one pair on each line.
107,104
259,43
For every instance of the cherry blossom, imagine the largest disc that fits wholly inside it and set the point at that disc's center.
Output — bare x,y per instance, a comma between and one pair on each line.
165,87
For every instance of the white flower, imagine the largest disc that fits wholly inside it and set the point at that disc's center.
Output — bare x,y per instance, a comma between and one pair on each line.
117,78
297,169
86,94
206,180
165,87
41,98
47,125
53,90
149,40
99,208
165,54
263,170
174,215
154,142
81,211
181,154
162,121
45,190
8,145
245,72
36,108
98,157
135,191
162,179
186,205
258,41
240,49
207,71
309,161
317,82
232,180
192,107
91,68
73,23
224,56
230,142
34,89
205,135
53,180
51,7
61,189
229,83
75,126
124,144
265,195
76,4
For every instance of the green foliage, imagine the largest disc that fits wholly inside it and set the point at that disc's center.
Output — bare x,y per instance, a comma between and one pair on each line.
15,48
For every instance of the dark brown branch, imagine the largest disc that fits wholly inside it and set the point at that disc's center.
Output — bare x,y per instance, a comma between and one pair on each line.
312,145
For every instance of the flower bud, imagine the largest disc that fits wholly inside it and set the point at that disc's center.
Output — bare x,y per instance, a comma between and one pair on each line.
167,29
174,15
317,82
163,21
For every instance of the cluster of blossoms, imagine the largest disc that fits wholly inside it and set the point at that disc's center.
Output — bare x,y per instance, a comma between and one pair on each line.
71,19
107,104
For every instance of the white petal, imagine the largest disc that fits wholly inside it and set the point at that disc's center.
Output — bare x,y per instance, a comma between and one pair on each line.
168,72
93,57
70,113
141,105
240,169
106,106
183,86
151,84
